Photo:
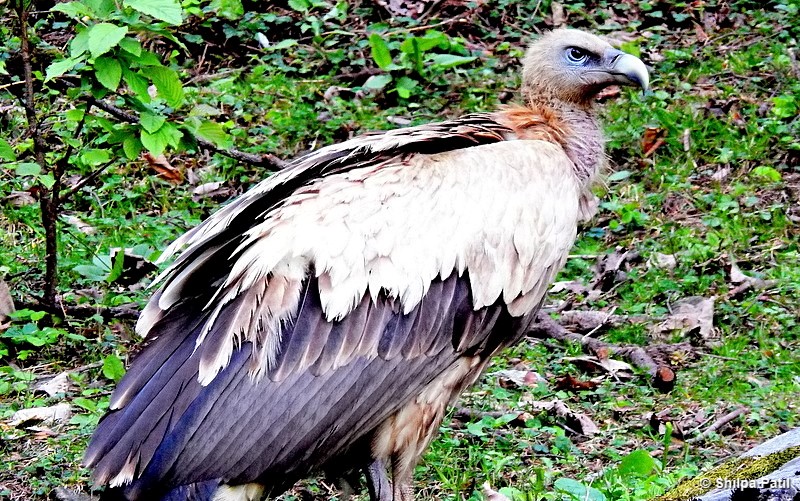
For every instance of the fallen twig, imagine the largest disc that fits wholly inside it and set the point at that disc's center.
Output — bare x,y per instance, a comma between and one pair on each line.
663,377
718,424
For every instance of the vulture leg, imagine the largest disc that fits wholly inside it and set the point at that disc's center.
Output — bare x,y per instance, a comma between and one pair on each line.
402,474
378,482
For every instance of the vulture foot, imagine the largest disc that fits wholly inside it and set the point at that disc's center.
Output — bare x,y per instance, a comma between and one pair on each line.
378,482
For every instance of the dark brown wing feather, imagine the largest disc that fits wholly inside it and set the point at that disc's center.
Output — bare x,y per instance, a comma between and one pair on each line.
276,432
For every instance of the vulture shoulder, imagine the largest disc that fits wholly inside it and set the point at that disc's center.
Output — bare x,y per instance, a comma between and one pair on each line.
300,317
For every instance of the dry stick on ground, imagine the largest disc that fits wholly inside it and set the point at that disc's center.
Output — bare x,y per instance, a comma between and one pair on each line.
718,424
663,376
266,160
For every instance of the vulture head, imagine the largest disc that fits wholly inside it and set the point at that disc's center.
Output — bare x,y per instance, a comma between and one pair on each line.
573,66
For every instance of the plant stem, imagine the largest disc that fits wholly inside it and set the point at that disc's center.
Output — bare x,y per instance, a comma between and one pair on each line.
48,199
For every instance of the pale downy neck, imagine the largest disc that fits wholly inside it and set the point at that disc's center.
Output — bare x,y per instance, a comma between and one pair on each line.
583,143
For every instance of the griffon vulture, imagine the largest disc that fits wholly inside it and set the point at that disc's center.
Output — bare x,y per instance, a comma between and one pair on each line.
325,319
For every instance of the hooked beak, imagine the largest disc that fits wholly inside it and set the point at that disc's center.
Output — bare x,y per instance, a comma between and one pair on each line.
626,69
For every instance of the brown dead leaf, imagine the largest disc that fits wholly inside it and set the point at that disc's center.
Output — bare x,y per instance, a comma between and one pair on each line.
595,364
570,383
559,15
654,138
6,301
700,34
519,378
575,421
20,198
165,170
690,316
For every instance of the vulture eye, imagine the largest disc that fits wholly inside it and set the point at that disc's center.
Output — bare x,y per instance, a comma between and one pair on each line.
576,55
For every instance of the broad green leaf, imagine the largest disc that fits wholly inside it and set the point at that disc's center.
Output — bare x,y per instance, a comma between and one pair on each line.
638,462
58,68
213,132
411,48
28,169
132,147
95,156
137,84
449,60
7,152
172,133
103,37
155,143
101,9
147,58
785,106
377,81
380,51
167,83
116,270
151,122
767,172
168,11
75,10
578,491
619,175
75,114
433,39
299,5
229,9
79,44
47,180
92,272
108,72
113,368
284,44
131,46
405,86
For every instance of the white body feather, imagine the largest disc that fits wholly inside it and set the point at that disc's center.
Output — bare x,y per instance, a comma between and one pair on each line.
395,227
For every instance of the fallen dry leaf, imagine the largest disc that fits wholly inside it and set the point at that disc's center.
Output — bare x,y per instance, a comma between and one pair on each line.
55,385
165,170
83,226
613,367
576,421
691,315
571,383
53,415
559,16
20,198
518,377
6,302
206,188
663,261
653,138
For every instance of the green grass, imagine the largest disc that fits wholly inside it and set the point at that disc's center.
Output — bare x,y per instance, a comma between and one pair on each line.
728,105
